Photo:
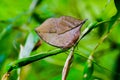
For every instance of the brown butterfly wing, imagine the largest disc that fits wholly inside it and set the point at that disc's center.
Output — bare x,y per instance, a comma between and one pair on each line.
68,39
49,26
66,23
61,32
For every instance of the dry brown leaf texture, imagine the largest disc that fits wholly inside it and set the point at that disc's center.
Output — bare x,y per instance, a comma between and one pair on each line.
61,32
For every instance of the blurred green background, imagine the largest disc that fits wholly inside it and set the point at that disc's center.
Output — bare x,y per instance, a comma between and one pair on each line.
19,18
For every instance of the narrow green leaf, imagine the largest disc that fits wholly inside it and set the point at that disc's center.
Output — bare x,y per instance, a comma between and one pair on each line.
7,29
117,4
88,70
116,16
24,61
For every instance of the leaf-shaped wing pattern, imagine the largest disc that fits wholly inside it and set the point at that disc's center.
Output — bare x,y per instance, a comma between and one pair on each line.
61,32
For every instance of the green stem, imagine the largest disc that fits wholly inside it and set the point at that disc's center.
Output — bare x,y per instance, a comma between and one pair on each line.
22,62
110,28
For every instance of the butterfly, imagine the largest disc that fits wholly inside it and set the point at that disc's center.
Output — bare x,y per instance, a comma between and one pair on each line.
62,32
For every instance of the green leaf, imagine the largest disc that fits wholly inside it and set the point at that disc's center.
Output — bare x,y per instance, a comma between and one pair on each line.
117,4
88,70
115,17
24,61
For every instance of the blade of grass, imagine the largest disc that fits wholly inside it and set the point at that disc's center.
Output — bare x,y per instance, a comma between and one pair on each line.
22,62
27,49
89,69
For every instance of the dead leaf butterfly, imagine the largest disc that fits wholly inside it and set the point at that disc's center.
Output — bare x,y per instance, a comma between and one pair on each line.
61,32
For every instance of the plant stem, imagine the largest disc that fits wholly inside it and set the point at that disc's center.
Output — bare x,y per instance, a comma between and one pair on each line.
67,64
22,62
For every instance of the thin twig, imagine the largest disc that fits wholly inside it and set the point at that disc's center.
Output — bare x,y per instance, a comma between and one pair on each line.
6,76
67,64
